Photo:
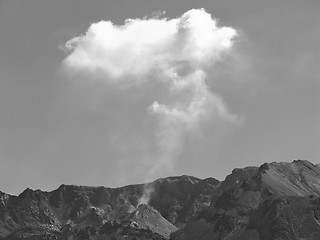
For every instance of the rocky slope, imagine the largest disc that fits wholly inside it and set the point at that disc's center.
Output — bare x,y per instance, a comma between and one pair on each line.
273,201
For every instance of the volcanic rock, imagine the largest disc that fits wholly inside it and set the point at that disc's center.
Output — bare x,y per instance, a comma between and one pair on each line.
271,202
274,201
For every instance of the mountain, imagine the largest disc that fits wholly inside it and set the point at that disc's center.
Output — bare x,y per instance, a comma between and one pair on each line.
273,201
76,212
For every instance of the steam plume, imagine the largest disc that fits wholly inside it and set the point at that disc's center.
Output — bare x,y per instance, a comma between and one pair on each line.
172,52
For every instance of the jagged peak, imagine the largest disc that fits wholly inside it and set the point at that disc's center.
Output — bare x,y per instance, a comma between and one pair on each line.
302,161
26,192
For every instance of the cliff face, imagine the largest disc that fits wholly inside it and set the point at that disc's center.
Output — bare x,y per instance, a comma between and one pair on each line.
273,201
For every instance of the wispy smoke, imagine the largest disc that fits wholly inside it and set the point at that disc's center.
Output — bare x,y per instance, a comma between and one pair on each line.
174,53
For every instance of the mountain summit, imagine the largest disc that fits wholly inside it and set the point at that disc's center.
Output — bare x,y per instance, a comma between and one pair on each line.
273,201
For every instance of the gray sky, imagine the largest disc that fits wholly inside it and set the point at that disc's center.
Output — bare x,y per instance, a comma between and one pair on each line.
60,127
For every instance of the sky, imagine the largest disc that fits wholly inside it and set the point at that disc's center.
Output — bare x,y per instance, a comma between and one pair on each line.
185,87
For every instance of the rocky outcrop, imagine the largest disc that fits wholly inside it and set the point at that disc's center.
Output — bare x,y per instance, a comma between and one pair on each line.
146,217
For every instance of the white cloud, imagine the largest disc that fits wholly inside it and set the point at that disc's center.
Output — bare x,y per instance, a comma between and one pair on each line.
172,52
142,46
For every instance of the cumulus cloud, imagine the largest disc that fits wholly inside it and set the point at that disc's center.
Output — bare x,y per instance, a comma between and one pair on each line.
142,46
174,53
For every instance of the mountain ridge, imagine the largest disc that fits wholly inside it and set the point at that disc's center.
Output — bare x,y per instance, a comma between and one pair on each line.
180,207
